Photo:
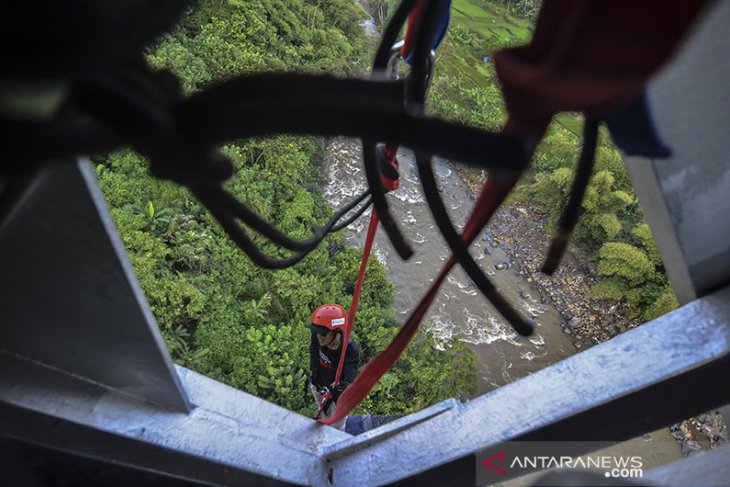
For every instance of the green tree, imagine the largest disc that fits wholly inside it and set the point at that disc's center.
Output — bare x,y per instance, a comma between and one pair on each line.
617,259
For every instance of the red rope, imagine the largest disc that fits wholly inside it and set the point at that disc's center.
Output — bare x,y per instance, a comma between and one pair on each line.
412,29
492,195
325,401
372,228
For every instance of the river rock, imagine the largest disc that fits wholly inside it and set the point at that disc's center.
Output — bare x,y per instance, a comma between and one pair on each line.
499,266
575,322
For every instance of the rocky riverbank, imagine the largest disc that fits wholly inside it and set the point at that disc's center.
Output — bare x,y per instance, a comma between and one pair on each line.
519,228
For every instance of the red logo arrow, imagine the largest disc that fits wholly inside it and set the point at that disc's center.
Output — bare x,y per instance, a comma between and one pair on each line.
500,456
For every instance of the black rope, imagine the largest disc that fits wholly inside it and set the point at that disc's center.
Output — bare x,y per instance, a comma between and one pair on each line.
233,206
416,90
392,229
354,217
179,148
129,102
225,208
571,212
333,106
179,141
370,160
424,35
143,109
241,238
138,104
461,252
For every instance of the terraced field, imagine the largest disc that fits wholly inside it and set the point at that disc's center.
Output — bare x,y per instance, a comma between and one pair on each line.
490,20
479,28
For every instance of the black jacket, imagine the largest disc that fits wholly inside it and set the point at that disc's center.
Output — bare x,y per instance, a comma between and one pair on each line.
324,362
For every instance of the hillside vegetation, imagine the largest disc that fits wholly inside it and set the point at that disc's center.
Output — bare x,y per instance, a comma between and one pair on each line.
611,230
218,313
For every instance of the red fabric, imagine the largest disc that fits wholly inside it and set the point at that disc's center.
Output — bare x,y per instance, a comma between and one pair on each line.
391,184
369,239
492,195
412,29
589,55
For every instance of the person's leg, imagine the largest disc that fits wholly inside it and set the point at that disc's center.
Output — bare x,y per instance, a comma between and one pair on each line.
340,425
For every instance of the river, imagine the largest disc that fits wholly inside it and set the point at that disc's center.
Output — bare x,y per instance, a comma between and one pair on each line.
460,312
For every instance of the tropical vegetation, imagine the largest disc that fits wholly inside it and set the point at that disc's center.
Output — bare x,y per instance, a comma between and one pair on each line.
224,317
611,231
218,313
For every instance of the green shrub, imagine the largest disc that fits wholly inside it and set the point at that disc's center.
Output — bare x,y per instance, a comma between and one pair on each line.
643,234
665,303
617,259
611,289
603,226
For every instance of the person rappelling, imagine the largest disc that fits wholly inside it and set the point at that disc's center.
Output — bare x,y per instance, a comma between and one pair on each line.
328,325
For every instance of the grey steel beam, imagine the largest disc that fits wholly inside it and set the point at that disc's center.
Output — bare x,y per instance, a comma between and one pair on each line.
708,469
685,198
70,299
376,435
84,370
229,437
639,381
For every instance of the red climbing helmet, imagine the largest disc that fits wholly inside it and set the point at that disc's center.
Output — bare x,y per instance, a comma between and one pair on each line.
328,317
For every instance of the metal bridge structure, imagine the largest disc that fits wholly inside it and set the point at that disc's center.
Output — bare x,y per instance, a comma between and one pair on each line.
85,377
